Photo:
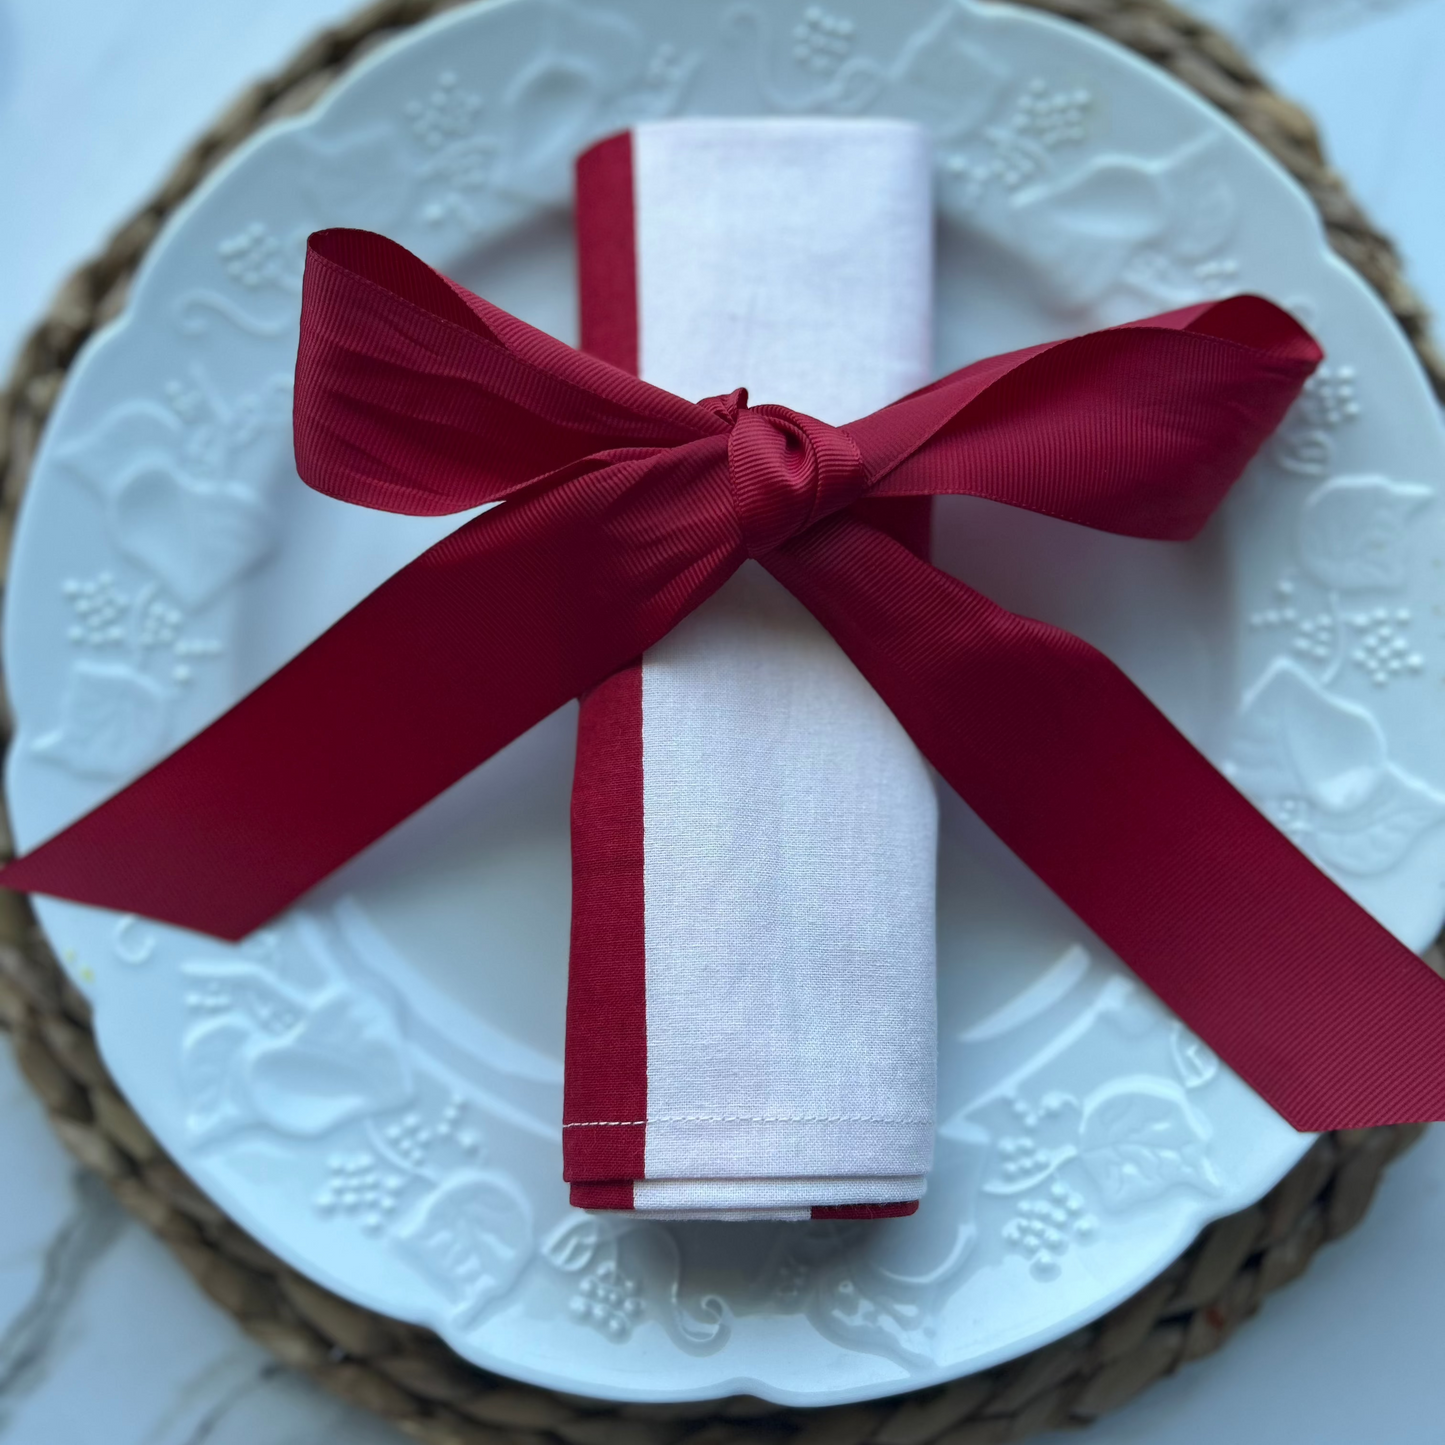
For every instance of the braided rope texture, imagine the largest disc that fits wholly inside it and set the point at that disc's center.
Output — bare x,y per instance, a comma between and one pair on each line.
405,1373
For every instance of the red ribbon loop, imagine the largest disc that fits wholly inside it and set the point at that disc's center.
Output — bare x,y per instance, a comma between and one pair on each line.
625,507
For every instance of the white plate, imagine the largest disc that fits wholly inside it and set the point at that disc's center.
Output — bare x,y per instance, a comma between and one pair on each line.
372,1087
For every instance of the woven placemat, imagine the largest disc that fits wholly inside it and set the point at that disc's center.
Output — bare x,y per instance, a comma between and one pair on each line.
407,1374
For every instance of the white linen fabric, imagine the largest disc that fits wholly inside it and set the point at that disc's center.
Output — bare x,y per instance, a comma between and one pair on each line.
790,825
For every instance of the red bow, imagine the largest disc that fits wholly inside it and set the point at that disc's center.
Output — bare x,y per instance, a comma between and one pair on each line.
625,507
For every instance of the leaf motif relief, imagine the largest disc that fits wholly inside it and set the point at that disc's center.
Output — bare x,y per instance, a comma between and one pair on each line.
598,77
234,1003
1131,1139
1379,833
198,538
1119,220
553,100
162,473
114,721
473,1236
217,430
1140,1137
215,1100
1195,1062
1318,766
593,73
1081,232
345,1060
1200,203
573,1244
1354,530
133,433
196,433
1294,740
937,67
298,1064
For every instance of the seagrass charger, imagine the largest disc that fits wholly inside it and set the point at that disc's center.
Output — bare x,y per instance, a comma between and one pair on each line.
405,1373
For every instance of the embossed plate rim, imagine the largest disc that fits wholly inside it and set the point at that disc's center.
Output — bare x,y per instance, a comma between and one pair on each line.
136,938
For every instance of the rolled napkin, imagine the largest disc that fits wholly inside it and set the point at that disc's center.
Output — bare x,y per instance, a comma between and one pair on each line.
750,1023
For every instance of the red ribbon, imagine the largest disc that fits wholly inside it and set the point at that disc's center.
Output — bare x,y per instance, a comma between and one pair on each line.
625,507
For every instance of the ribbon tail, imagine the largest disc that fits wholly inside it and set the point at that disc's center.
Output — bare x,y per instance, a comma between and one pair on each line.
1316,1005
482,636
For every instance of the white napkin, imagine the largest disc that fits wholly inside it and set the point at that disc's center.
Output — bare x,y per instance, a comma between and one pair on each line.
751,1028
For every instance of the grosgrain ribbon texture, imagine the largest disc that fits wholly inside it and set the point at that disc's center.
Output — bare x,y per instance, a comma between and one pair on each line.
624,507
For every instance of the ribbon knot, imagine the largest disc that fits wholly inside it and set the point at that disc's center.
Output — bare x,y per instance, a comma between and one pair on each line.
787,472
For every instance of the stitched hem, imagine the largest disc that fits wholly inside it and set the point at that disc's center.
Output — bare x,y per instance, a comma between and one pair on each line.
746,1119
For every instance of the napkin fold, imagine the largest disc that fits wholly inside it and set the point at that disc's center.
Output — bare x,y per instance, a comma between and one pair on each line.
750,1021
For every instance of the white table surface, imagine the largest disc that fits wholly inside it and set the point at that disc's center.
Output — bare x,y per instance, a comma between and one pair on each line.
103,1340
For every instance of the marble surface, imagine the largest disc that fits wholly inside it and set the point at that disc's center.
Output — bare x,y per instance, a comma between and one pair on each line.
102,1337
